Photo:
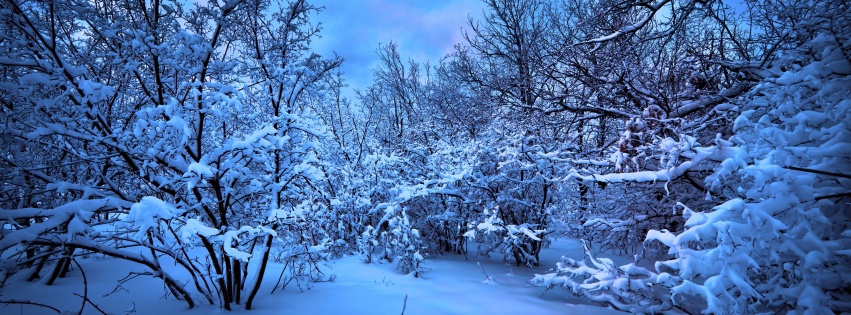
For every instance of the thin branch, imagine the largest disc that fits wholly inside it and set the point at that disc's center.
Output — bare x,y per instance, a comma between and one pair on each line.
85,295
808,170
629,29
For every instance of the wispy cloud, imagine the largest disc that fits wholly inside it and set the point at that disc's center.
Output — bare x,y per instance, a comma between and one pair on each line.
423,29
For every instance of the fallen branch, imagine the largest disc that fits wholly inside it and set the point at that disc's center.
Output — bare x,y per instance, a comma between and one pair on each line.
31,303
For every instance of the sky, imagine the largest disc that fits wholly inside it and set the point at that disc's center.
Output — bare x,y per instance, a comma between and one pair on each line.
425,30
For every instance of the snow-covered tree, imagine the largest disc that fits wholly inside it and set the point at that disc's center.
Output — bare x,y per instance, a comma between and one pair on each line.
161,125
776,239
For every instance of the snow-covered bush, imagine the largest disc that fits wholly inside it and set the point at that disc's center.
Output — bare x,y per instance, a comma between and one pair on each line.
779,243
521,242
188,128
611,225
411,262
628,287
406,243
419,189
777,239
367,243
304,245
394,240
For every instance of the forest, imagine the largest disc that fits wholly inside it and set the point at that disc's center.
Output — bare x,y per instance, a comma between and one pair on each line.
698,150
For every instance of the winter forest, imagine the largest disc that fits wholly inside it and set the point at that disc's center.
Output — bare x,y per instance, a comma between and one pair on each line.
571,156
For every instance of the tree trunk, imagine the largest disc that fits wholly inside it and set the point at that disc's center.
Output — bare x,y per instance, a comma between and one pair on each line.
260,272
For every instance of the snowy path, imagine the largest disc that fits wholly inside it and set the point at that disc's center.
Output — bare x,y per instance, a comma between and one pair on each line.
452,286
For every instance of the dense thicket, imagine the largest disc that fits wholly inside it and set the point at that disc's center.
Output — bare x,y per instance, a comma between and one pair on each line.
708,140
702,138
164,126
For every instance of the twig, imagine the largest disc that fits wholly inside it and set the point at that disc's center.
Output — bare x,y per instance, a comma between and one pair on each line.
281,277
85,286
483,270
488,278
92,304
130,276
405,304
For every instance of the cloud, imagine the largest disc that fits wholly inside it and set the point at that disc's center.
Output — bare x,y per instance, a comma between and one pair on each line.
423,29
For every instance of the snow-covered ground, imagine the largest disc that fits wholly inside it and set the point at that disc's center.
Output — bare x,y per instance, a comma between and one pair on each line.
453,285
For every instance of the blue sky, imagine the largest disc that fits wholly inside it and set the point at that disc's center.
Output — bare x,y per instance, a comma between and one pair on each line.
423,29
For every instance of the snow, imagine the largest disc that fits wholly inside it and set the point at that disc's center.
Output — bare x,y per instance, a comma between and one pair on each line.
451,285
663,236
196,173
98,159
194,227
255,138
200,169
232,237
146,213
79,210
